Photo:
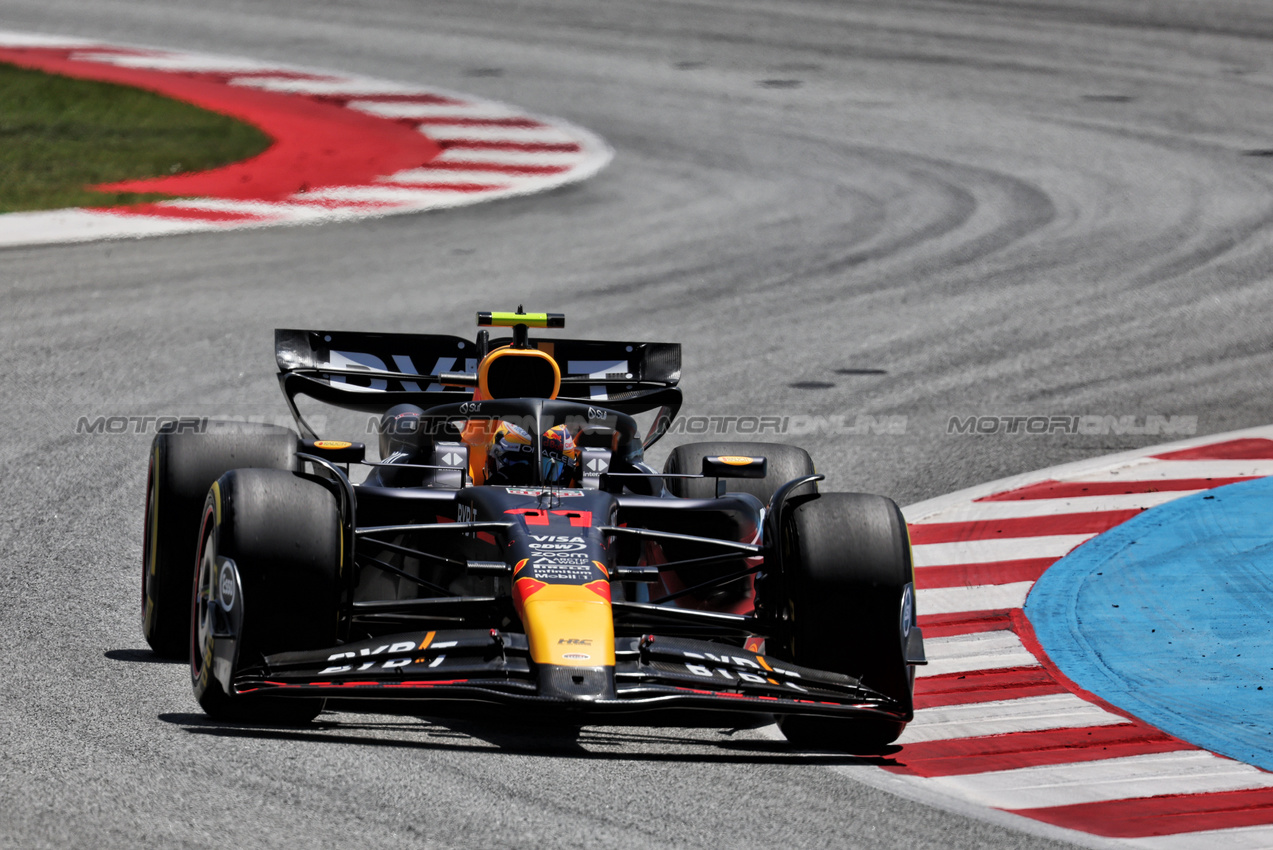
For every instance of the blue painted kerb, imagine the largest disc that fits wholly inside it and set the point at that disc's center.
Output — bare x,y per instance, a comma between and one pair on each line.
1169,616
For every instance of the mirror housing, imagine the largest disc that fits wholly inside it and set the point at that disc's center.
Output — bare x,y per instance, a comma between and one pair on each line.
735,466
336,451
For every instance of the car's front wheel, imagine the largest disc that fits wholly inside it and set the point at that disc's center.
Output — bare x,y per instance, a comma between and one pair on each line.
850,607
267,580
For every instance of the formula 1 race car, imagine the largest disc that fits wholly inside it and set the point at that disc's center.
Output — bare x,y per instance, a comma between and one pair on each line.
512,548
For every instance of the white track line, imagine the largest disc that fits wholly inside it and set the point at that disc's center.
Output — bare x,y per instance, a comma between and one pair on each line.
988,597
444,175
1151,469
190,63
280,212
530,158
1009,549
517,135
390,109
385,194
1186,772
337,87
1242,838
49,227
993,650
1028,714
978,511
24,39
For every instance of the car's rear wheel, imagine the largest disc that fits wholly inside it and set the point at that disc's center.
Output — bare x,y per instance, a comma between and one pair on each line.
850,605
184,461
784,464
267,581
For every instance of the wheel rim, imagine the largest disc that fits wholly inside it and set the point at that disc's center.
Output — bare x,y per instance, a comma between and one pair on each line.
204,599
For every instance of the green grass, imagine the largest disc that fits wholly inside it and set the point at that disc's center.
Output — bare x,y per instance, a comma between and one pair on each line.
60,135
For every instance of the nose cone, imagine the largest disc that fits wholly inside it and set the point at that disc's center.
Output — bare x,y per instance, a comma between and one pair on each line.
576,684
567,625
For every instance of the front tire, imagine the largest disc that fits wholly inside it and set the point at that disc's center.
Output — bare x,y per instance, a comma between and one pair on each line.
850,602
281,533
184,461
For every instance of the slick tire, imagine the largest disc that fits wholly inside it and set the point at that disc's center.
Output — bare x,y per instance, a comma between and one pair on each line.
850,603
184,461
785,463
282,533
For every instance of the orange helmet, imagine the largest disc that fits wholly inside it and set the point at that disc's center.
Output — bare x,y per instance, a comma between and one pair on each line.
561,457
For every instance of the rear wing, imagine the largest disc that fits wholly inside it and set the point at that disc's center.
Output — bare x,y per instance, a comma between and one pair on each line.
371,372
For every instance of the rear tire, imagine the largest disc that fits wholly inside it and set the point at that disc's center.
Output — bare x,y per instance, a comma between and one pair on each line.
850,600
184,461
784,463
283,533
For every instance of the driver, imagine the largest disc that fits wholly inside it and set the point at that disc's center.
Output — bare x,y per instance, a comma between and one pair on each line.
511,454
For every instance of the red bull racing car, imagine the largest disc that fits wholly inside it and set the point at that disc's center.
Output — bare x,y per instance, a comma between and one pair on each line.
512,548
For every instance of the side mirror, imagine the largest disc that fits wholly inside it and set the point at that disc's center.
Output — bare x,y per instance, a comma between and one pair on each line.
735,466
336,451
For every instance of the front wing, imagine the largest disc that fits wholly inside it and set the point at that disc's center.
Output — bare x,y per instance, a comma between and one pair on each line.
489,666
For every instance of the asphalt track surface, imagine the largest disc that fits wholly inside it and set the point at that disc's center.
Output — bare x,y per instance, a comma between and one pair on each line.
923,210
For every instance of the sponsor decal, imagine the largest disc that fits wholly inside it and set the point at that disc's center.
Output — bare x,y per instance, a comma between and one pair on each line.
574,642
536,491
576,656
570,561
557,543
736,460
560,558
740,675
908,610
332,444
228,588
391,664
563,567
471,407
727,667
562,573
386,649
391,649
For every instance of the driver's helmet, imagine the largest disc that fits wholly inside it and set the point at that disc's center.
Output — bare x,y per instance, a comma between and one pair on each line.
510,457
561,458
